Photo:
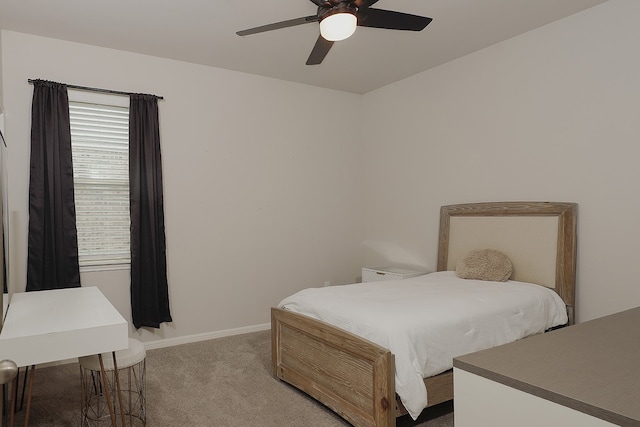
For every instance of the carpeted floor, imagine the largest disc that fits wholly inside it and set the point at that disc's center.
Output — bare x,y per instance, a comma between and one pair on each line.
221,382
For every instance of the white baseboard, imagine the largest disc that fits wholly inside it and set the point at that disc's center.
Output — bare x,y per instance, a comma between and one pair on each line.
170,342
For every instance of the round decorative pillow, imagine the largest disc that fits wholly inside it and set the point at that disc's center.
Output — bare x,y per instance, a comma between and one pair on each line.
485,264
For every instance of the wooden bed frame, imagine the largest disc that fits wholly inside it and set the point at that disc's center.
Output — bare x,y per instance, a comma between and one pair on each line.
355,377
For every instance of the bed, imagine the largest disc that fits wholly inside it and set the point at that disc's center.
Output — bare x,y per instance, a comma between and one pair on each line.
356,377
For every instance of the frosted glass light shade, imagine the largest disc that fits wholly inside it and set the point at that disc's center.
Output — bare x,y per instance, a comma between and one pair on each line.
338,26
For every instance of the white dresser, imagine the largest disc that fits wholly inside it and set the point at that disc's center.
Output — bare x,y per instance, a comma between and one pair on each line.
376,274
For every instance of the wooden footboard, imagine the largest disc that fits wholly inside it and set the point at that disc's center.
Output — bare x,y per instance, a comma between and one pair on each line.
352,376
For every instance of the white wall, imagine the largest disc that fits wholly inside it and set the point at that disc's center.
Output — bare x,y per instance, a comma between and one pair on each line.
550,115
258,203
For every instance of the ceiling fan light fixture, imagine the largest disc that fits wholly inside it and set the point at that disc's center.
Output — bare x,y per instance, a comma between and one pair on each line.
338,26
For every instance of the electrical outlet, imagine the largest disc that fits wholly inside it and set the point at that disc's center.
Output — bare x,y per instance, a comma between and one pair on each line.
327,283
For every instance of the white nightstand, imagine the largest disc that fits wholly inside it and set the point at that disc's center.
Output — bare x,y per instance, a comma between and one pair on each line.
376,274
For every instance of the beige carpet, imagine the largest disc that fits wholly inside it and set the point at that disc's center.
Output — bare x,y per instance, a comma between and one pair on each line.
221,382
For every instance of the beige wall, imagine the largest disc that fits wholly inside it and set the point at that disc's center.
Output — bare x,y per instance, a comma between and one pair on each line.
258,202
549,115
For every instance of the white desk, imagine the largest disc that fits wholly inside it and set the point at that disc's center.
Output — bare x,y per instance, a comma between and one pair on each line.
48,326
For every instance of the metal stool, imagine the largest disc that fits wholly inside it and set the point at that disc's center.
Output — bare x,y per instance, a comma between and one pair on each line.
131,371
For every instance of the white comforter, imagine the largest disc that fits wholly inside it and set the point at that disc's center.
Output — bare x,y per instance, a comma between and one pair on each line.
428,320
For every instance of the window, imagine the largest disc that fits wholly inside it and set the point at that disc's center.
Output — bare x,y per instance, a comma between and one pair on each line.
100,147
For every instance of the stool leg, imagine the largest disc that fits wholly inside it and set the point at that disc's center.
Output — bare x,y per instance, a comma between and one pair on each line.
118,388
106,391
91,385
130,411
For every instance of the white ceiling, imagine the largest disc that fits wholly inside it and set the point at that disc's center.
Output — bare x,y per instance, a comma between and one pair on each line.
203,32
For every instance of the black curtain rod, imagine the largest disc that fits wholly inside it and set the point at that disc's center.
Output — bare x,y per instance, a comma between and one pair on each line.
95,89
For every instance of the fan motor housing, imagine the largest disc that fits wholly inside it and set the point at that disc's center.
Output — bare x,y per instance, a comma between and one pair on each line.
340,7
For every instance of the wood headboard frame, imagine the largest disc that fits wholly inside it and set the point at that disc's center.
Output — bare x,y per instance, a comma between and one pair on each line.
563,274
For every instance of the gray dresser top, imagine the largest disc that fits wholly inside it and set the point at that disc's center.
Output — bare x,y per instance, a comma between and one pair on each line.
592,367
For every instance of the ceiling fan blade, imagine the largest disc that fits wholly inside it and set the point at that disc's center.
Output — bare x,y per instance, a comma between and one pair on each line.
363,4
278,25
391,20
319,51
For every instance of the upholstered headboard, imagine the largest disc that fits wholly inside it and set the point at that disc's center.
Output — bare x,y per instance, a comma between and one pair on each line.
538,237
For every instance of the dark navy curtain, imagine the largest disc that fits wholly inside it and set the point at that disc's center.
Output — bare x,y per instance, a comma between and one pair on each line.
53,239
149,286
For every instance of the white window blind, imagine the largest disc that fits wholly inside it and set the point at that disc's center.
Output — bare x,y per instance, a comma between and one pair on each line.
100,147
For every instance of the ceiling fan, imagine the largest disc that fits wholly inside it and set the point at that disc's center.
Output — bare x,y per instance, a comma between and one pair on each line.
338,20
